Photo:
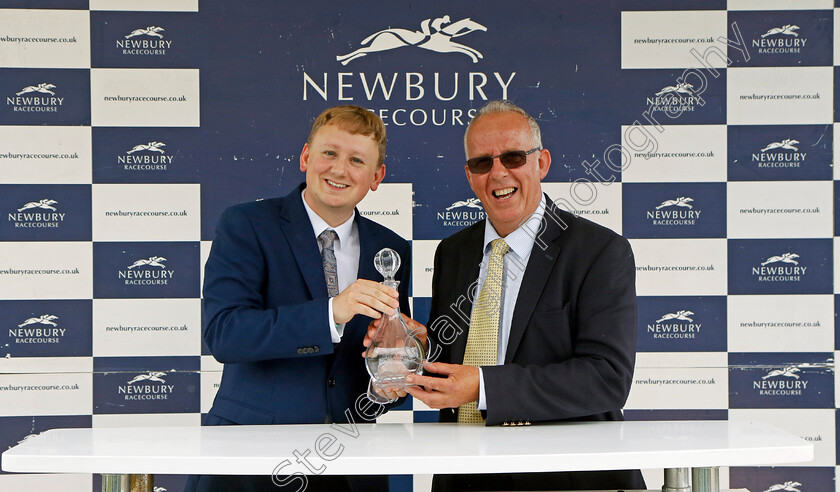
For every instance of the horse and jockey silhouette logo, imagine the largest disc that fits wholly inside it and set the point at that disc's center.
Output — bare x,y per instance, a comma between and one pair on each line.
679,315
788,372
43,88
46,204
787,486
434,35
680,88
785,258
152,261
150,376
787,30
470,203
682,201
787,143
44,319
153,31
151,146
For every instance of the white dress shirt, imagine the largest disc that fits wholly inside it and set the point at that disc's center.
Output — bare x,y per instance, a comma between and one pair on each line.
347,252
521,242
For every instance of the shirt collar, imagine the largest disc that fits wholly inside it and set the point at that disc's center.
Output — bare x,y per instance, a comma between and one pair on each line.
521,240
319,225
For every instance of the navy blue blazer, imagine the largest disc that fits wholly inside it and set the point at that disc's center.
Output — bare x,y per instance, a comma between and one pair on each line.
266,316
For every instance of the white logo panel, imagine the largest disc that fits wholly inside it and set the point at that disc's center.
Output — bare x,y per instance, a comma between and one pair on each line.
672,381
144,97
211,378
836,149
44,38
813,425
47,481
146,5
146,327
204,253
836,42
594,201
45,154
37,394
678,267
780,5
423,266
779,95
684,153
770,323
48,270
780,209
146,212
837,266
665,39
390,205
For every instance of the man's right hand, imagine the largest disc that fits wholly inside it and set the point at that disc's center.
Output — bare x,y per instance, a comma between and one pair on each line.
364,297
416,328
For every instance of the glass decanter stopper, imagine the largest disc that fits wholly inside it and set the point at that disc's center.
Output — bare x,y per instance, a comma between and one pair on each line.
394,351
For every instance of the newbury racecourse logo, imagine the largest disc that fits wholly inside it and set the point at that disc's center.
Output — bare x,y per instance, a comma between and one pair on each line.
434,35
787,30
774,155
36,334
461,213
787,486
674,99
149,157
412,98
35,219
44,319
780,273
145,273
783,39
145,390
673,325
781,382
152,31
678,211
34,103
143,45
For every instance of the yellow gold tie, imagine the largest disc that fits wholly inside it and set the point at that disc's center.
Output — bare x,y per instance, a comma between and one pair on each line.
483,336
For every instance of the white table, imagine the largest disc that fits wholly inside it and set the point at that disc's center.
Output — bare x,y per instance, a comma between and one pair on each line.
368,449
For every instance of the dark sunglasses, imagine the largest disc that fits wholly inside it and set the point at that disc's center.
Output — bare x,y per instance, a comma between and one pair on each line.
510,159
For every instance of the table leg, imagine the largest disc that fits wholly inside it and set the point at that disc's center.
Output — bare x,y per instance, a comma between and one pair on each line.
705,479
127,483
677,480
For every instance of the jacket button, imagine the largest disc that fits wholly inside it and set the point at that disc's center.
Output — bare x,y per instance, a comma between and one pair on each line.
331,382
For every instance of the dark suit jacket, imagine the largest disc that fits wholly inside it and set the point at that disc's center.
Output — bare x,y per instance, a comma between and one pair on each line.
572,342
266,316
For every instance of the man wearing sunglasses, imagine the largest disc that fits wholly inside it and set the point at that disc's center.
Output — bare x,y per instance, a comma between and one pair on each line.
533,311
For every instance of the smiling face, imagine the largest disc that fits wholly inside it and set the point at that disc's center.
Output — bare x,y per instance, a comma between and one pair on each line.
509,196
340,168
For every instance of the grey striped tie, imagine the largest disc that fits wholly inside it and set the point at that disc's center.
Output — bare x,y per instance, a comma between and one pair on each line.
327,239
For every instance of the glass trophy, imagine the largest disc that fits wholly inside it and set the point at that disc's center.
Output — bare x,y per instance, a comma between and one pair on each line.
394,350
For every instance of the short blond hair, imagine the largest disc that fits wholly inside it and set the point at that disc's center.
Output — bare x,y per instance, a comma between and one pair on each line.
355,120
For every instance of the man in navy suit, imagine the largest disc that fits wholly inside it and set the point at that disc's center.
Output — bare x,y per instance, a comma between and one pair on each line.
292,352
565,308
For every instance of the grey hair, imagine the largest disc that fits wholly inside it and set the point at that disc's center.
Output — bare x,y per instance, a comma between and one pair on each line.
504,106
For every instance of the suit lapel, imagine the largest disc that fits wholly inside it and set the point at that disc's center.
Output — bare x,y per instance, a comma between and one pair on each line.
544,255
468,265
298,230
367,245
